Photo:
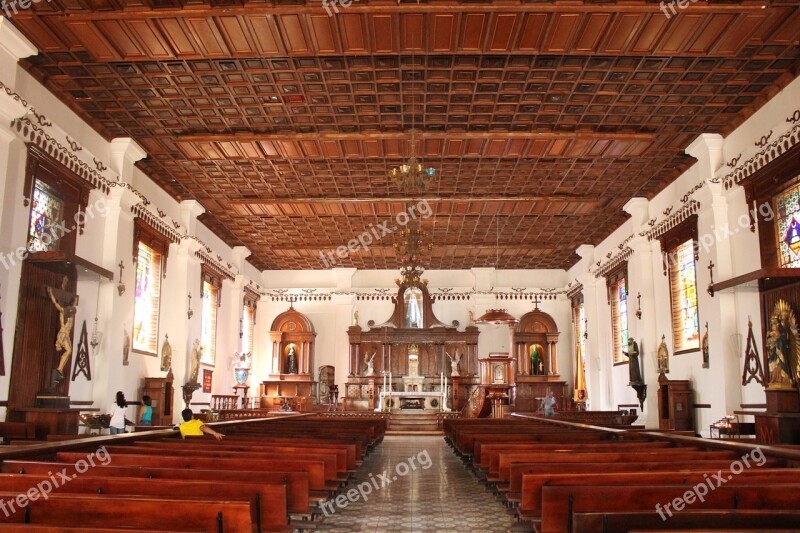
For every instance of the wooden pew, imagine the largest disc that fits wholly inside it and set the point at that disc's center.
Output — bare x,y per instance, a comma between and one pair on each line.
296,483
92,510
268,501
533,484
688,519
559,503
314,468
657,456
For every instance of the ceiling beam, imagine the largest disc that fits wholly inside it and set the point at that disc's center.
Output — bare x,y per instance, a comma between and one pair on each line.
402,135
419,198
316,7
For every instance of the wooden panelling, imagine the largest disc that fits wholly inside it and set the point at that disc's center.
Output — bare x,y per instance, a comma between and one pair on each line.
542,118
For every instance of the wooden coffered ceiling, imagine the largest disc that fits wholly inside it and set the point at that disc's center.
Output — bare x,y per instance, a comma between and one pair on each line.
542,117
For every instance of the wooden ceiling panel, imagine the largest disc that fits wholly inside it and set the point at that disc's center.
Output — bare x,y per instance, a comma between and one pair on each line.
294,37
443,33
541,118
266,35
178,37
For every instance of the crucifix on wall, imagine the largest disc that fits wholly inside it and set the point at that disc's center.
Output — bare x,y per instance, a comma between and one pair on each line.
66,303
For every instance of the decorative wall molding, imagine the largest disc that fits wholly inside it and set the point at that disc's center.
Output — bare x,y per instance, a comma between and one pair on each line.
769,152
140,211
673,220
613,262
443,294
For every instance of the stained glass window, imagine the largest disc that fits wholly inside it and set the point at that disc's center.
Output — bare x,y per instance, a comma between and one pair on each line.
683,286
208,325
787,206
47,208
146,299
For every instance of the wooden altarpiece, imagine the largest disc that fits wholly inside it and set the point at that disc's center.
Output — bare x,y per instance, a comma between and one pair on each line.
291,384
535,341
412,327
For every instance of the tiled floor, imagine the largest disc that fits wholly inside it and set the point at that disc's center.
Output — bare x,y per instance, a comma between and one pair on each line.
438,494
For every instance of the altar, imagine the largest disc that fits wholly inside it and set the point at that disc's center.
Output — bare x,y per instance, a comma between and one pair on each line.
426,401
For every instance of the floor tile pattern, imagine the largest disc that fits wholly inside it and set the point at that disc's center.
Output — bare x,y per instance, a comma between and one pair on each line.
437,494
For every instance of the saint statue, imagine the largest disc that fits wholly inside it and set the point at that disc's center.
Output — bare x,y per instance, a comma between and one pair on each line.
291,361
166,355
454,361
66,316
197,353
355,317
778,349
634,372
536,360
370,371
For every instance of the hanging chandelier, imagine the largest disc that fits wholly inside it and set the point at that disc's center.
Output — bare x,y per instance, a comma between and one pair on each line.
413,244
412,174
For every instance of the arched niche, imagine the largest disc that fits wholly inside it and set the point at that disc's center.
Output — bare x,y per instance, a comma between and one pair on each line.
413,308
536,332
292,330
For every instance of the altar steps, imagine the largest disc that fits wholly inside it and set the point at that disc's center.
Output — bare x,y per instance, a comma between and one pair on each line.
417,423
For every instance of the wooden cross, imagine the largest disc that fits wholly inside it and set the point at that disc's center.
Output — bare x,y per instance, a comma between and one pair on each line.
711,276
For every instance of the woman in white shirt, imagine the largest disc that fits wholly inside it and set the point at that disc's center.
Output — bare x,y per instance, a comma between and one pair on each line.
117,412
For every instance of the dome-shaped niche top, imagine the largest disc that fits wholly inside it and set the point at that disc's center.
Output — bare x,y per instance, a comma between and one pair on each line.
536,321
292,321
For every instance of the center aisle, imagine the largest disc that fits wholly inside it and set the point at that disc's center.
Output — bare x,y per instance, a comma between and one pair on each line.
421,487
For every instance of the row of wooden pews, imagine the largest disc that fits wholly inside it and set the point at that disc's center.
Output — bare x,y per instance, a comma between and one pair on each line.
267,475
561,477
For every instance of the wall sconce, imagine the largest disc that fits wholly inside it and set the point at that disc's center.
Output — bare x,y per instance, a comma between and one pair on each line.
121,286
190,313
639,310
585,329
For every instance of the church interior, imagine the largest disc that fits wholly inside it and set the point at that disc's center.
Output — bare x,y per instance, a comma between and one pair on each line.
513,255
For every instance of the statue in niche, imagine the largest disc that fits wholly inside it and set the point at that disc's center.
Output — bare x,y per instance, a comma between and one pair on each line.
67,307
454,361
197,354
291,361
536,360
782,347
370,371
634,372
413,309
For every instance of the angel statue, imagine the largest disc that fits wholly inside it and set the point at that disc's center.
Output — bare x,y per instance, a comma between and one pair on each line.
197,354
370,371
454,361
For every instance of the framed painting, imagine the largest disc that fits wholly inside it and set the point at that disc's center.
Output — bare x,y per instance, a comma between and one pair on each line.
207,375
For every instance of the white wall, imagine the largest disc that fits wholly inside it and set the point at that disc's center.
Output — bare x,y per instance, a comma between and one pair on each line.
725,238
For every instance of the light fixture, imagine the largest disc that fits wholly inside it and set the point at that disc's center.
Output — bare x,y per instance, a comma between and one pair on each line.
412,174
190,313
496,316
410,248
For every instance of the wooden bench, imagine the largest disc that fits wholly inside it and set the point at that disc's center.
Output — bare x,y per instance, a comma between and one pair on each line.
688,520
559,503
268,501
296,483
92,510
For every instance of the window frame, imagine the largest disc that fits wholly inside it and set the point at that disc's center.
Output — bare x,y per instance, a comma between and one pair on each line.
670,242
145,234
208,275
249,304
613,278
